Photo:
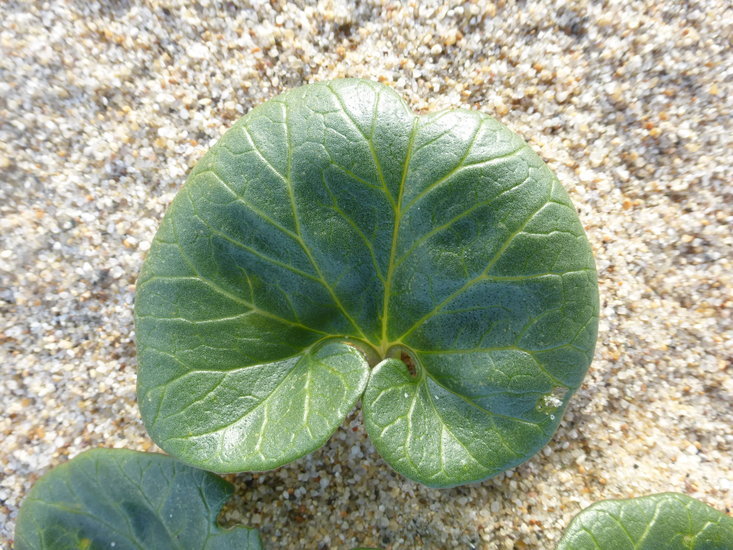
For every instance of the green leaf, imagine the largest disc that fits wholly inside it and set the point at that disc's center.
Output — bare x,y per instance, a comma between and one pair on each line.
669,521
114,498
331,231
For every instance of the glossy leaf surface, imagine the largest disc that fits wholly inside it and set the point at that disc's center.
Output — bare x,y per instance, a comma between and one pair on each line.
333,244
669,521
114,498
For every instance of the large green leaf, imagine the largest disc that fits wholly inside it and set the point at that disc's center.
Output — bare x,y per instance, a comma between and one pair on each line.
331,230
667,521
114,498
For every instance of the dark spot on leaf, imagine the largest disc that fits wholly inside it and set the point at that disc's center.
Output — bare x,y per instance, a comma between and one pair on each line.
409,363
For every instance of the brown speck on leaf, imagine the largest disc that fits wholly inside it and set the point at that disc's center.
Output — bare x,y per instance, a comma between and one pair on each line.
407,360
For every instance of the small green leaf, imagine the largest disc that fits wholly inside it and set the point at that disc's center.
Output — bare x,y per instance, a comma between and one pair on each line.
125,500
332,230
667,521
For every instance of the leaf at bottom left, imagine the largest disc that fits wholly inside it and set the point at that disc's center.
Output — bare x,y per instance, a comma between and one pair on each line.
126,500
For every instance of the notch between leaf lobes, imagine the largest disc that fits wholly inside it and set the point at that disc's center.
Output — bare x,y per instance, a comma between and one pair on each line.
395,351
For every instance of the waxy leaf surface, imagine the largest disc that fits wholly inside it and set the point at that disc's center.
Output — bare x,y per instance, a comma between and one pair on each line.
125,500
334,246
667,521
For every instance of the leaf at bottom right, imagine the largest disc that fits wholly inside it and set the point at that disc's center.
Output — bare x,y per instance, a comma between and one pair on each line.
666,521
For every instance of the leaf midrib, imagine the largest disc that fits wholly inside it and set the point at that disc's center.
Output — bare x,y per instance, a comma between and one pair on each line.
384,344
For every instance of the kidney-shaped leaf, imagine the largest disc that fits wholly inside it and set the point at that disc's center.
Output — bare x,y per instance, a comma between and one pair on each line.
331,230
669,521
125,500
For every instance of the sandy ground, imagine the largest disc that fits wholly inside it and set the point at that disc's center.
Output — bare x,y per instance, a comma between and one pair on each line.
105,106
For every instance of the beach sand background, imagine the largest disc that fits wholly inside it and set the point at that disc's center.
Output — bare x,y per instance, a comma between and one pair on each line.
105,106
